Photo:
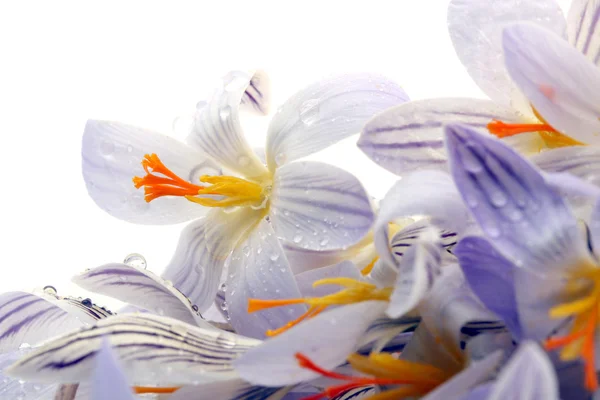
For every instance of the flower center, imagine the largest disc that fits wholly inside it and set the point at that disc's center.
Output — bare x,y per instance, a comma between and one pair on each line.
354,292
415,379
579,342
230,190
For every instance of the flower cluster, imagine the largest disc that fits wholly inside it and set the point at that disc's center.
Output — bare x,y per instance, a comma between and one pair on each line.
476,277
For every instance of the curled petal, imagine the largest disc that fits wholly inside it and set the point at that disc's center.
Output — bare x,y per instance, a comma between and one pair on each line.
476,31
152,350
111,156
325,113
274,362
558,80
320,207
217,130
108,381
528,222
583,29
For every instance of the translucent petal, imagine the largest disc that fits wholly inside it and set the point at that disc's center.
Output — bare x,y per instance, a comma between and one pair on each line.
111,156
108,381
326,112
11,388
318,206
583,29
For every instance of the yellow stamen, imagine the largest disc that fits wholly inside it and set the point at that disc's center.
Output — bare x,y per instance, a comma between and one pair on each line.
367,270
384,365
234,191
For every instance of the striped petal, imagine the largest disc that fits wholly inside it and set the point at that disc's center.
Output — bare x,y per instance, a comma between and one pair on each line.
235,389
257,96
217,130
491,278
411,136
391,334
430,193
11,389
192,269
417,273
152,349
318,206
258,269
476,31
527,222
583,29
108,381
111,156
410,234
305,280
580,161
528,375
562,85
141,288
27,319
325,113
274,362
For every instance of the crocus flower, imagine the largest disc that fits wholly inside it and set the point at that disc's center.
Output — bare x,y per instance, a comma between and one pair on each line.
543,91
308,204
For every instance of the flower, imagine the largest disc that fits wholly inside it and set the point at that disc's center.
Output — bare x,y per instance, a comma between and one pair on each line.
543,91
307,204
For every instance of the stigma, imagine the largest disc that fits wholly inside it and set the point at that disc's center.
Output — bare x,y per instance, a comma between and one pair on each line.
354,291
219,191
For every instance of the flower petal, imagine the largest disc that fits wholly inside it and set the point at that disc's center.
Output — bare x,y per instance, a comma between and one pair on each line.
192,270
476,30
235,389
112,154
302,260
526,220
326,112
582,28
411,136
528,375
274,362
387,333
490,276
571,185
108,381
217,130
11,388
305,280
141,288
258,269
580,161
558,80
318,206
417,273
152,349
594,227
257,96
410,234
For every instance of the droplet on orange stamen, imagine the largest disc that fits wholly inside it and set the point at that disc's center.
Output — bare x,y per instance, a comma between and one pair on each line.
502,129
155,390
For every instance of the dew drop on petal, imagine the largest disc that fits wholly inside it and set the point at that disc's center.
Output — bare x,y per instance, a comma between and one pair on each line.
274,257
225,112
246,250
135,260
297,239
309,111
324,241
280,159
498,198
50,289
87,302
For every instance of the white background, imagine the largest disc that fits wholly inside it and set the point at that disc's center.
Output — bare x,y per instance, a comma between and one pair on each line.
146,63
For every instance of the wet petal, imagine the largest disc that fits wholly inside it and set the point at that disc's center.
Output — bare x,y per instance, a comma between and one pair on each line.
583,29
528,375
274,362
411,136
11,388
301,260
192,269
112,153
235,389
258,269
326,112
476,31
417,273
557,79
528,222
108,381
318,206
430,193
217,130
152,350
490,276
141,288
306,279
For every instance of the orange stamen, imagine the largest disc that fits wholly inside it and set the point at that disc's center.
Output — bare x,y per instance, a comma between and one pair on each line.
155,390
312,311
263,304
502,129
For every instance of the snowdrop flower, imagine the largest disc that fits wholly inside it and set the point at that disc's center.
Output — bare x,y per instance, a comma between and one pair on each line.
542,89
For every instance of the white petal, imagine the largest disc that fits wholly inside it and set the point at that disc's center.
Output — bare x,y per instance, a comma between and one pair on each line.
301,260
258,269
192,270
257,96
224,229
112,154
475,28
558,80
108,382
318,206
383,273
583,29
581,161
11,388
152,350
410,136
217,130
274,362
528,375
141,288
327,112
568,184
236,389
306,279
410,234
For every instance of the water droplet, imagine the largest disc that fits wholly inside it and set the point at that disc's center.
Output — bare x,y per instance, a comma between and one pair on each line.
244,161
309,111
286,212
297,239
123,278
498,198
471,201
246,250
201,104
24,346
50,290
280,159
87,302
107,148
324,241
224,306
282,269
492,230
225,112
515,215
259,250
274,257
195,308
205,168
135,260
130,149
160,311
